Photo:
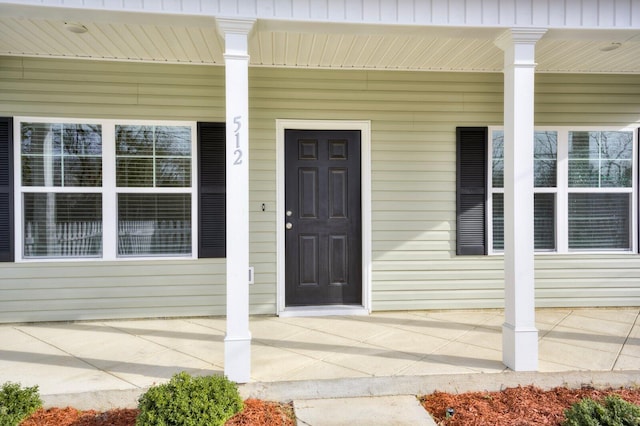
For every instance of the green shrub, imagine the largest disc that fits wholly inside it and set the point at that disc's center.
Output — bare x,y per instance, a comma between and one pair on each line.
614,412
622,413
16,403
189,401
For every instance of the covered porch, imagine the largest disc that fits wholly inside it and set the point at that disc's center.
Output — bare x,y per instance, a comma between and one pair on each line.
517,43
384,354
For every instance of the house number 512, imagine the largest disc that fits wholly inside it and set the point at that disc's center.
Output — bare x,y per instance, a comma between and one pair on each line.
237,154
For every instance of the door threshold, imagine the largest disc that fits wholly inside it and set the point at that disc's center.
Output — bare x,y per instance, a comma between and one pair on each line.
322,311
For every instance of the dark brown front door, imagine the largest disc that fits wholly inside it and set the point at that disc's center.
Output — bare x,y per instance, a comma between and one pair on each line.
323,218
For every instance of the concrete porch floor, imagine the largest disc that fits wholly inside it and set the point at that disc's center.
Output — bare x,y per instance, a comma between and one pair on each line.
131,355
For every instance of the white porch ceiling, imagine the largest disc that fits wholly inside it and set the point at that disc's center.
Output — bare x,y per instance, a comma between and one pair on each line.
194,39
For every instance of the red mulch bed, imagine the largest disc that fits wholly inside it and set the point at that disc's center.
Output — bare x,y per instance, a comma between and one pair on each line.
255,413
263,413
71,417
522,406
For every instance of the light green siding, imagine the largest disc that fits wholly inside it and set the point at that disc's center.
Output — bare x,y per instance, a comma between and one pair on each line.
413,117
69,88
88,290
588,280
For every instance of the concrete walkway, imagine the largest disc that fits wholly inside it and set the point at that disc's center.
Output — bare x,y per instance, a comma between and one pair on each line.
102,364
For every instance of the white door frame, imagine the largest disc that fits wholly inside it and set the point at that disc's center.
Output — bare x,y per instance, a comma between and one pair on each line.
364,126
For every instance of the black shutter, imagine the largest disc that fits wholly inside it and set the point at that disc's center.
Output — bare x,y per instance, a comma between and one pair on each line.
6,190
212,190
471,190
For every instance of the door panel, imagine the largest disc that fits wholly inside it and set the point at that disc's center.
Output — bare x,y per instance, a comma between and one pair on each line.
338,194
308,259
308,188
338,259
323,204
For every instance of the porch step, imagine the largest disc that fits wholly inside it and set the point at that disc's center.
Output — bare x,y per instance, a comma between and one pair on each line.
369,411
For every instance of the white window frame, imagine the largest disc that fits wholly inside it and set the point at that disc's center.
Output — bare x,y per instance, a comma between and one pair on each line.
562,190
108,189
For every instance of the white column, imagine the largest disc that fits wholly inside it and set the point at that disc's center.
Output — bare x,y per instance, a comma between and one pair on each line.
237,342
519,333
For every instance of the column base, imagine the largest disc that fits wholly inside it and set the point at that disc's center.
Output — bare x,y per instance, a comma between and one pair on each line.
237,359
520,347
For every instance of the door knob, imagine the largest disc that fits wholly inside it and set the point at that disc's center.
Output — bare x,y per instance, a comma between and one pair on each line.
289,212
289,225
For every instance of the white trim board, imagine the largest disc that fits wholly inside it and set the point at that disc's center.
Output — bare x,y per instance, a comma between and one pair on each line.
364,126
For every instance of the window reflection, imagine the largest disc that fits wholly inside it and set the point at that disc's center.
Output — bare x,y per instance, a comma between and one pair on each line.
600,159
56,154
153,156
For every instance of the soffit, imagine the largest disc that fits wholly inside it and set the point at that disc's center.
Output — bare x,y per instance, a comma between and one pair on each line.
195,40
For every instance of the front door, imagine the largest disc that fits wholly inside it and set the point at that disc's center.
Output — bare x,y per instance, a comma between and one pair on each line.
323,242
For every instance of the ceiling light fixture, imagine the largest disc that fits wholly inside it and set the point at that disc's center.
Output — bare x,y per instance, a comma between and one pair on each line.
610,47
74,27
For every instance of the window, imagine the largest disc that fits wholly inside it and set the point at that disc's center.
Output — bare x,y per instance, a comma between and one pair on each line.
61,180
544,198
584,190
600,190
150,159
105,189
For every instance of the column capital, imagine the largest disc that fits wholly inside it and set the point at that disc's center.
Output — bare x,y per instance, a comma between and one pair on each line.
235,33
519,45
234,26
519,36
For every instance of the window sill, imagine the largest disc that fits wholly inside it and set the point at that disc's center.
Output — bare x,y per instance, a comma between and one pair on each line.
576,253
100,259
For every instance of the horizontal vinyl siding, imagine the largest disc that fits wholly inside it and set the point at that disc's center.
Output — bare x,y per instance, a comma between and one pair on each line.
89,290
586,100
587,280
37,291
414,262
72,88
413,117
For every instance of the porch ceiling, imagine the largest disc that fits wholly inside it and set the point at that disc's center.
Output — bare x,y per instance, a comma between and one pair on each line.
168,38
